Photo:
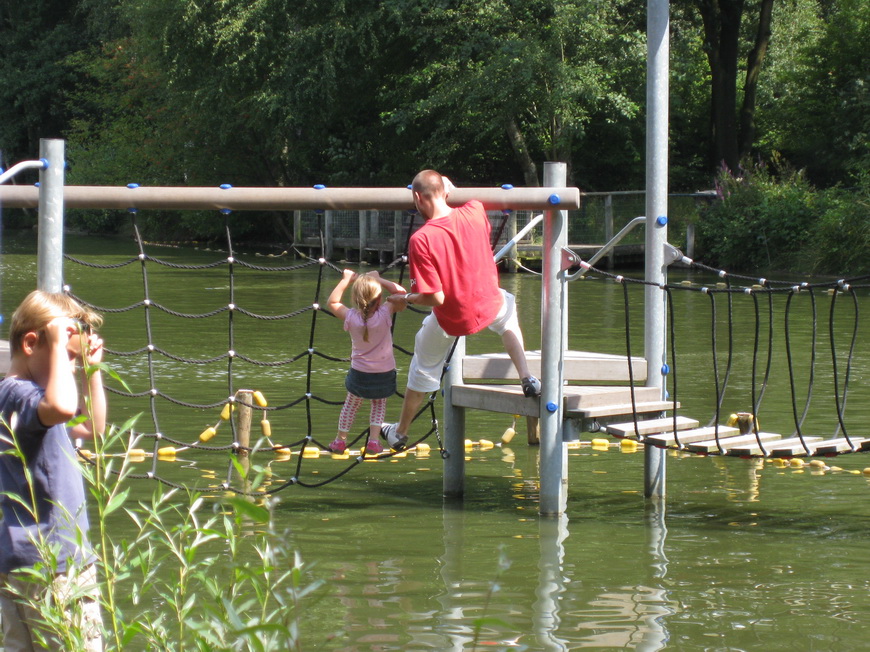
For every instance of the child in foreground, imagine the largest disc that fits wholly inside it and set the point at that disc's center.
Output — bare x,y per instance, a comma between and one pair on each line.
372,372
43,499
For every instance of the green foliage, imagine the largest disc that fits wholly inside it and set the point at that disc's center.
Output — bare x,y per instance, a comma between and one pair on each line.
761,223
196,574
842,236
780,222
820,116
36,36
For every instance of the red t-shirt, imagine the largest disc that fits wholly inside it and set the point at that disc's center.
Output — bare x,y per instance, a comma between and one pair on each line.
452,254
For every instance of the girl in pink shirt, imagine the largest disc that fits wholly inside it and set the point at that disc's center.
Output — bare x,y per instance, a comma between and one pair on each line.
372,372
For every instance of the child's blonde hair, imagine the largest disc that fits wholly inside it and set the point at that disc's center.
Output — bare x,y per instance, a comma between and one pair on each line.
365,294
39,308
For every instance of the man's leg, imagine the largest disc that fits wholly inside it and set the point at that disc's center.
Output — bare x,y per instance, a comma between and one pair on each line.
507,325
413,401
431,346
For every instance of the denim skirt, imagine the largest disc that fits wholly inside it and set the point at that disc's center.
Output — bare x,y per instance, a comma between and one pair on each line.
368,385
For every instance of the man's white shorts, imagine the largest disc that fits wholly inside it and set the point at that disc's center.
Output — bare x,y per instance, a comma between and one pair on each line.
432,344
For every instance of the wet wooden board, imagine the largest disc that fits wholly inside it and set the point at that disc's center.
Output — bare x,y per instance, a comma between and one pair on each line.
833,446
622,409
710,446
784,448
650,426
688,436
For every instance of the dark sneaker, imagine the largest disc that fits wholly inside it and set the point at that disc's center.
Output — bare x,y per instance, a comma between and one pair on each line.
531,386
397,442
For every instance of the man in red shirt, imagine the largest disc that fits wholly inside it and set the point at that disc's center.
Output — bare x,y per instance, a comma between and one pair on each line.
452,270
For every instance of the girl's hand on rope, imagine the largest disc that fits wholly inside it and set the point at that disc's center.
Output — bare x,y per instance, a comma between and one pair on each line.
348,275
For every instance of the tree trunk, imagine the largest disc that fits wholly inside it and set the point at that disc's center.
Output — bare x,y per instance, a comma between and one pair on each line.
518,143
753,70
721,20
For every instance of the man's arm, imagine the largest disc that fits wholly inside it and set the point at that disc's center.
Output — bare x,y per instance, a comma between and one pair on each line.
433,299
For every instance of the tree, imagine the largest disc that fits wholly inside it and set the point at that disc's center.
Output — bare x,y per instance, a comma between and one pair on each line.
732,129
822,122
35,39
531,75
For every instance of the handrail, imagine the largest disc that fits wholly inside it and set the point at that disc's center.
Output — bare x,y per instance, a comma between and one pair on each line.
41,164
608,246
519,236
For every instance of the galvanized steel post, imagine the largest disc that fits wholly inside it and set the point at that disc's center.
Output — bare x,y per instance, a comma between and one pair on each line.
553,454
49,266
656,221
454,427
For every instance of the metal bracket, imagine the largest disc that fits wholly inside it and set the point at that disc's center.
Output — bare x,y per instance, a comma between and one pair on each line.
671,254
569,259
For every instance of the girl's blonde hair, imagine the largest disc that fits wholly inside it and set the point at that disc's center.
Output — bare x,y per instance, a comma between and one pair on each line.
39,308
365,294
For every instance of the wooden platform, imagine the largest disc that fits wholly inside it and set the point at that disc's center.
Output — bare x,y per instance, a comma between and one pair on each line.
579,400
607,394
580,366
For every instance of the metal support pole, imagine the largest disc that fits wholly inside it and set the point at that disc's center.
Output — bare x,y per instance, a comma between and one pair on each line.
454,427
49,267
511,231
656,216
553,450
608,227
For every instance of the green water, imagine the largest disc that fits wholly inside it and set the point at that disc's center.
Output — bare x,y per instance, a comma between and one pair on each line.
743,555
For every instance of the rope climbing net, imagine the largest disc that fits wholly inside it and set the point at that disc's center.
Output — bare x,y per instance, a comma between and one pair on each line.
303,364
817,372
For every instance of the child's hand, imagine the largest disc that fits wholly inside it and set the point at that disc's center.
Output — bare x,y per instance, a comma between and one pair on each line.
94,350
348,275
59,330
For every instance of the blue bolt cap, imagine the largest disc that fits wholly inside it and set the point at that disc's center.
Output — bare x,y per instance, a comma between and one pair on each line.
507,186
661,220
554,199
226,186
319,186
552,407
665,370
132,186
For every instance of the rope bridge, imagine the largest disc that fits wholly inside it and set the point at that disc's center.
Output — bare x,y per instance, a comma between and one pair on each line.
230,432
768,303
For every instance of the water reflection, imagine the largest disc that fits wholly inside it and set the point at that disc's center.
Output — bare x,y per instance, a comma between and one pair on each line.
614,617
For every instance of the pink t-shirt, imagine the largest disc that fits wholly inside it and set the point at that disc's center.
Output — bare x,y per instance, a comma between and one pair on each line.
376,355
452,254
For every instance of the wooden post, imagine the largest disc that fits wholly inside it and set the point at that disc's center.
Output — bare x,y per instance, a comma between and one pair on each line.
297,227
363,234
244,414
398,245
329,236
